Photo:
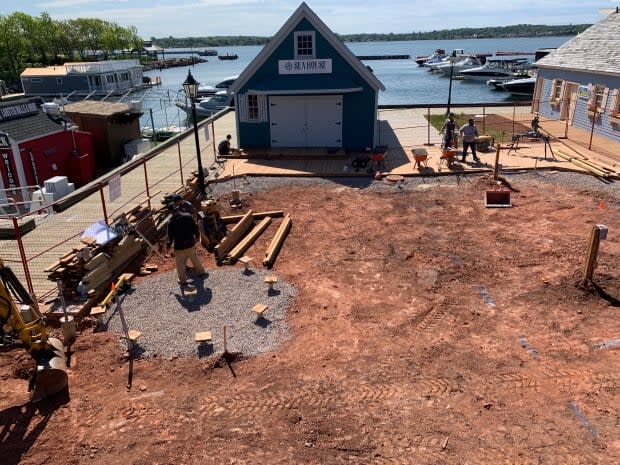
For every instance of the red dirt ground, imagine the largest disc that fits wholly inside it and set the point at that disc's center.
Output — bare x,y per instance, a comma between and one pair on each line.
427,329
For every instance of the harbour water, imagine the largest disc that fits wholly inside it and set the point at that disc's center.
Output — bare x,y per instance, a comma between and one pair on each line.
405,82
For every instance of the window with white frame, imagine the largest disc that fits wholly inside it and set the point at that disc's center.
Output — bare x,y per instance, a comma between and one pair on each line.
252,106
598,99
304,45
557,87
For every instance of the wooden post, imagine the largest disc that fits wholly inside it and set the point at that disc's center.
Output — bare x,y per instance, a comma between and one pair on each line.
225,341
599,232
496,166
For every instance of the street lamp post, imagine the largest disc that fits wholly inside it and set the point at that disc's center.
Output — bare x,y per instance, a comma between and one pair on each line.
452,60
190,86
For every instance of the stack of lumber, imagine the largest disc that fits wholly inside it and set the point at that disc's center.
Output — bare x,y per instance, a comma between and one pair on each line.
96,266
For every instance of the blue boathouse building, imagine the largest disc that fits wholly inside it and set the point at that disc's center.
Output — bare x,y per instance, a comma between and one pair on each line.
306,89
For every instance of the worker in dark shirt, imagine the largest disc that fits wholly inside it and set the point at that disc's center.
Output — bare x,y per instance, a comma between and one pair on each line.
223,147
184,205
183,235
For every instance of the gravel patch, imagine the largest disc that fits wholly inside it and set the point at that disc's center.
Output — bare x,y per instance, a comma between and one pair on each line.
168,320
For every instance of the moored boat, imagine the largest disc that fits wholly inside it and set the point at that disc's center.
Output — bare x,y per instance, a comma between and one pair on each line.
228,57
498,68
522,87
437,55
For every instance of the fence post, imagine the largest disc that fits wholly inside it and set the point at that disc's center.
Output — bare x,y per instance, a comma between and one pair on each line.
213,139
146,182
592,129
514,117
180,161
105,212
22,254
428,128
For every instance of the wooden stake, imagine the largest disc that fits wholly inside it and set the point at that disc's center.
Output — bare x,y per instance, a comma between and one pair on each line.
225,341
496,167
595,240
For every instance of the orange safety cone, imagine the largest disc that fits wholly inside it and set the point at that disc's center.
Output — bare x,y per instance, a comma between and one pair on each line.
601,204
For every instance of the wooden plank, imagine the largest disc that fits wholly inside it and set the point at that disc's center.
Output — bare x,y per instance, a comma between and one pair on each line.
233,236
203,336
257,216
259,309
247,241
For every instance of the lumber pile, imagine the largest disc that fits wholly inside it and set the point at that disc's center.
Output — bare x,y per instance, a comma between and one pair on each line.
95,265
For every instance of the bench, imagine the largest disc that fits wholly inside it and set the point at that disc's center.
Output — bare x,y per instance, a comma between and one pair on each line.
203,337
259,309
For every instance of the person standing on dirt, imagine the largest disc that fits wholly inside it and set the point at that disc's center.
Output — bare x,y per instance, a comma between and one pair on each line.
449,130
183,234
469,132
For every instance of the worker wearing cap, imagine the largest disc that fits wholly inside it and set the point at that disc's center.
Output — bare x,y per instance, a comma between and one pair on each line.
184,205
183,234
469,132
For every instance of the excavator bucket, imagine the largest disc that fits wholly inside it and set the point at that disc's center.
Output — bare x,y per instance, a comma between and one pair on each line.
50,376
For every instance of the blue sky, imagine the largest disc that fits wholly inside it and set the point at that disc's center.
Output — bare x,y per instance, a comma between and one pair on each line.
186,18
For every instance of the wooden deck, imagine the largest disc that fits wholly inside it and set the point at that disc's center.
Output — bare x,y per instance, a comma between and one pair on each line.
404,130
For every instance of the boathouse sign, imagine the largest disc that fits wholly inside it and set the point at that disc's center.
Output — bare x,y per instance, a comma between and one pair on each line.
314,66
18,111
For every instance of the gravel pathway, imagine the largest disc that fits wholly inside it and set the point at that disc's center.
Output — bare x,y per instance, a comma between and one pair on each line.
168,320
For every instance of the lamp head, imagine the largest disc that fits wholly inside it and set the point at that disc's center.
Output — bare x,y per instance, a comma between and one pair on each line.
190,86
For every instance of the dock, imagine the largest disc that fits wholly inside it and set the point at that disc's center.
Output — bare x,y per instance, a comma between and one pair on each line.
384,57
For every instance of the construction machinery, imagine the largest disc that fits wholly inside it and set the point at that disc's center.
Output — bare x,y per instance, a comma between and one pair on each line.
19,313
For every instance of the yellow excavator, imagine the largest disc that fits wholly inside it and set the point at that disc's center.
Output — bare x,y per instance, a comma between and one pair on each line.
28,324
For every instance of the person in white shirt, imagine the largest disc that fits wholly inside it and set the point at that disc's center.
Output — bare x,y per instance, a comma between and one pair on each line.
469,132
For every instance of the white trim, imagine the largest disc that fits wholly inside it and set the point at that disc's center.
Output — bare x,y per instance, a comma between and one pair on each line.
306,92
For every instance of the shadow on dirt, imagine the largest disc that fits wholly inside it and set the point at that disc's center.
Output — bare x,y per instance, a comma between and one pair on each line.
20,426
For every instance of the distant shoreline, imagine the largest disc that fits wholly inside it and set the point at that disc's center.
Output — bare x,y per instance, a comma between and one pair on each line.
504,32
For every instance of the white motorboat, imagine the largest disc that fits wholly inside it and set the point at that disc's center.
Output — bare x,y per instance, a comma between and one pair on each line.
467,62
457,53
522,87
435,57
208,91
497,68
207,106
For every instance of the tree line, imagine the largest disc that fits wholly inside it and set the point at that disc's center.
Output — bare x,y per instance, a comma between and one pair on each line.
30,41
519,30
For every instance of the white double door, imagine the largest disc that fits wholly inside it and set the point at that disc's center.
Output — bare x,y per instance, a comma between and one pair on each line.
306,121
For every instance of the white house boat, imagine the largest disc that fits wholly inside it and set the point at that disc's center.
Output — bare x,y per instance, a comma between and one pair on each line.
97,78
466,62
207,106
497,68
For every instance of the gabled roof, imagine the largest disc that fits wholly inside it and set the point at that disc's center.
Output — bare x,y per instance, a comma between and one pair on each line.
594,50
33,124
304,11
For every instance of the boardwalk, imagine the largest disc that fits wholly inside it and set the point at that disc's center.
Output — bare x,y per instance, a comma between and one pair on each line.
402,130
